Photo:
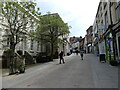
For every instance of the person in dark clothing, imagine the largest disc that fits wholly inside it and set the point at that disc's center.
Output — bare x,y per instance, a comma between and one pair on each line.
61,57
81,54
71,51
76,52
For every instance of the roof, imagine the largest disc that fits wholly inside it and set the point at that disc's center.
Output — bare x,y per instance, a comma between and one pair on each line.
89,28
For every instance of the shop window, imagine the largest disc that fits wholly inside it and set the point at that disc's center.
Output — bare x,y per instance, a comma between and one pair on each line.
105,4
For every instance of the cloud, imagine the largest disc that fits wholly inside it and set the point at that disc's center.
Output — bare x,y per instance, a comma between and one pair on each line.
79,14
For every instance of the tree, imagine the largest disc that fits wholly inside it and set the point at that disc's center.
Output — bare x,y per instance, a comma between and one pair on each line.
51,26
17,20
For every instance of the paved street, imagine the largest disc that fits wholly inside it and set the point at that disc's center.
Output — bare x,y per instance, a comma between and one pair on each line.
75,73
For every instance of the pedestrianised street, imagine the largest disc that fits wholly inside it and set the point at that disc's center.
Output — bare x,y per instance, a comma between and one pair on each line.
59,43
75,73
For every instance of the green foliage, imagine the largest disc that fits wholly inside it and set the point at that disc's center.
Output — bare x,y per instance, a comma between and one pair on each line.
17,17
31,7
51,26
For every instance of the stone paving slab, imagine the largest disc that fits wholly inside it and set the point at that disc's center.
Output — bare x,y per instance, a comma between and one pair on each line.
92,72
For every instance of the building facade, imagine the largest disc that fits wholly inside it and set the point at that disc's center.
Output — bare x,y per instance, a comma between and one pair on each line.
95,39
106,29
81,42
85,43
89,38
74,42
26,44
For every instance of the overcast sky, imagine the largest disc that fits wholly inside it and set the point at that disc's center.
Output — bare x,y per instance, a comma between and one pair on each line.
79,14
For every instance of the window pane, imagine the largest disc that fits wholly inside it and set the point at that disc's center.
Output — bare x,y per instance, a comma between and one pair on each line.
118,12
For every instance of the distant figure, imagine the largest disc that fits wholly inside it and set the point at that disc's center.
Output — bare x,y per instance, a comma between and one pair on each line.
81,54
85,51
71,51
61,57
76,52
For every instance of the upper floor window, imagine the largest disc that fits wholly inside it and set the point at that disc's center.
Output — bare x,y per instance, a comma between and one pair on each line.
31,44
38,46
117,2
100,10
101,14
118,12
25,43
105,4
8,41
106,20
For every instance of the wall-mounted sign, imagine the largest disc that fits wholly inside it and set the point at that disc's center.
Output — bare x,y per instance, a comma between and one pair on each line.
108,41
101,27
64,38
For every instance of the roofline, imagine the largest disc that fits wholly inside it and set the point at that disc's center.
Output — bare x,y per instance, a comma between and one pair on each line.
89,27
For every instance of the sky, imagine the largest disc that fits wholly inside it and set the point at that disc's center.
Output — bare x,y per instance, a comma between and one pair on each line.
79,14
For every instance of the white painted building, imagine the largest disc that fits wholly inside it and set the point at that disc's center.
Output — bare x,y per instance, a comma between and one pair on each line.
106,24
28,44
64,45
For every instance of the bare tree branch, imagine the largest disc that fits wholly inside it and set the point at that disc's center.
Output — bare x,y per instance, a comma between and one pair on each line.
4,25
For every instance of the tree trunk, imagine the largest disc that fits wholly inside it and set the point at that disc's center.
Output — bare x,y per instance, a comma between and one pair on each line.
52,49
12,59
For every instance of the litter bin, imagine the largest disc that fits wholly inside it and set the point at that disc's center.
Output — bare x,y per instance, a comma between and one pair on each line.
102,57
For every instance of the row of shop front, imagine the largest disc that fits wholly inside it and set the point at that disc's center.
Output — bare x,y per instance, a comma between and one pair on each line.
109,43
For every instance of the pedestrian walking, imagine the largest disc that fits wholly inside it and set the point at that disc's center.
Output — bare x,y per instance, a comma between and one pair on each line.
76,52
71,51
61,57
81,54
